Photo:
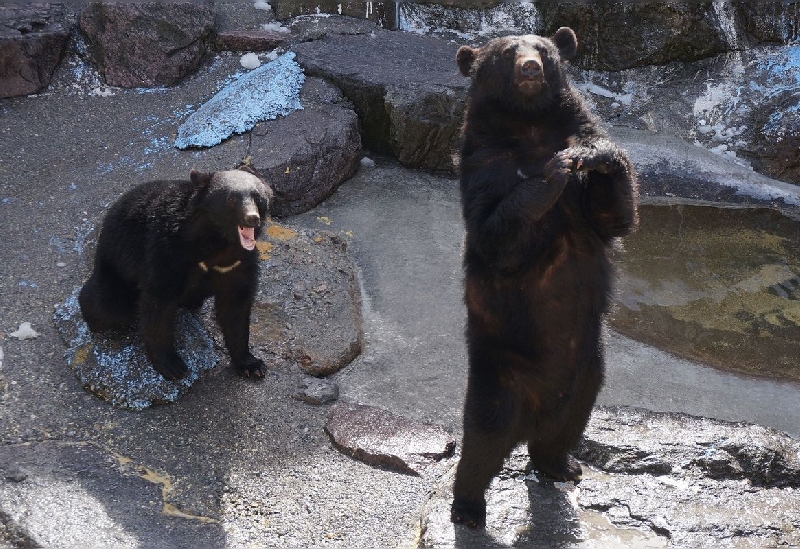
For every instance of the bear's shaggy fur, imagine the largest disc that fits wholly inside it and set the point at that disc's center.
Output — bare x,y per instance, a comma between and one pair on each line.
170,244
544,193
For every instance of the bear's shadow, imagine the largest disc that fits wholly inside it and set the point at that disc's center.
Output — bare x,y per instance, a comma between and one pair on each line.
552,520
114,366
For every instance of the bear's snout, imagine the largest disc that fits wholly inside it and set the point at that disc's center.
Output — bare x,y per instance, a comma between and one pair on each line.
531,68
252,220
528,65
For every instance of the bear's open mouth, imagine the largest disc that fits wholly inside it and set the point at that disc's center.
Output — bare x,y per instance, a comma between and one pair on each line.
247,237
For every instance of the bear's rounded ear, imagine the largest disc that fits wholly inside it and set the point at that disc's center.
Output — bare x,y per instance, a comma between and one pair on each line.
566,42
465,57
199,178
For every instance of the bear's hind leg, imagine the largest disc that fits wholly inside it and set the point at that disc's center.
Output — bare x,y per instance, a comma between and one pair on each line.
489,423
107,303
157,324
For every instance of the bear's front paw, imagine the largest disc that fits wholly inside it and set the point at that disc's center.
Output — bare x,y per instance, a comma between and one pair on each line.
557,171
171,366
251,367
468,513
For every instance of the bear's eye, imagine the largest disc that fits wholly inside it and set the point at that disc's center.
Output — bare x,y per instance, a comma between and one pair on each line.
231,199
508,53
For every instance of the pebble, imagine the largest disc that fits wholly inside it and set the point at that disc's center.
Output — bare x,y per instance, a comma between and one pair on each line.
316,391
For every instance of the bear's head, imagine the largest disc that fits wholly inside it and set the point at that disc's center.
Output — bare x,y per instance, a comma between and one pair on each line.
236,202
523,71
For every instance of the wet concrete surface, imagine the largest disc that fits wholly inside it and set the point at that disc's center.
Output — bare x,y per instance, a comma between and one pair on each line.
235,463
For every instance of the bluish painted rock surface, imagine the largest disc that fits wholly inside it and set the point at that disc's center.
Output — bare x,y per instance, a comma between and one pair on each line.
264,93
116,368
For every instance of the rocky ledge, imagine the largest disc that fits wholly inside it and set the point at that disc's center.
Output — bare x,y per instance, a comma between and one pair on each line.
650,480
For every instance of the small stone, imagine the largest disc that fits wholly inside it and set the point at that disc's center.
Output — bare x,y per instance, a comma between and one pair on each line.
317,391
16,475
381,438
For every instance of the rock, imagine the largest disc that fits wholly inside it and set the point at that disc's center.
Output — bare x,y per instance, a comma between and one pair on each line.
463,23
773,22
265,93
305,156
619,36
380,13
308,306
249,40
32,42
775,149
115,367
662,479
406,89
380,438
317,391
146,44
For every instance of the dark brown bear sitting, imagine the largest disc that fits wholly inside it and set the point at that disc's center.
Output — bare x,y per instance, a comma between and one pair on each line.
171,244
544,193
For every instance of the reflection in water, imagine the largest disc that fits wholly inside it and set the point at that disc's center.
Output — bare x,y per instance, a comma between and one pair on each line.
718,285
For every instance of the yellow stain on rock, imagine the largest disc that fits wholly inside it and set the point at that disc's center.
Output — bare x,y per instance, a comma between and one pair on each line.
277,232
145,473
82,354
264,248
324,219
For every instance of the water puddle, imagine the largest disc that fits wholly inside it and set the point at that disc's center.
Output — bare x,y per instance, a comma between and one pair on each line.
719,285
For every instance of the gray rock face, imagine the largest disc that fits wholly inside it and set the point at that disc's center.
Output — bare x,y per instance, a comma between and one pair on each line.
407,92
654,480
618,36
32,41
248,40
306,155
381,13
146,44
380,438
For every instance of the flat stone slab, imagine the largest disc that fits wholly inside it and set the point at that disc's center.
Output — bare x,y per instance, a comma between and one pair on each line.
70,493
383,439
306,155
653,480
264,93
406,89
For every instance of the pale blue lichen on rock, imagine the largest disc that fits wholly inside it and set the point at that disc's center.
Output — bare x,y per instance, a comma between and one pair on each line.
264,93
115,367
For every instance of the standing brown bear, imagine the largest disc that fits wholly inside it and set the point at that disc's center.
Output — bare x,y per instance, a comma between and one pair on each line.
544,193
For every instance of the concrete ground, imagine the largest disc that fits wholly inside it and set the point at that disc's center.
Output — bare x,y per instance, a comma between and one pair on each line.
237,463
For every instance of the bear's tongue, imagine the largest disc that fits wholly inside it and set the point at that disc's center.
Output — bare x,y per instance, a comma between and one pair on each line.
247,237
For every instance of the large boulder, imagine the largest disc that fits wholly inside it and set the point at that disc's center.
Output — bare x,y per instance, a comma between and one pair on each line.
147,44
406,89
32,41
306,155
